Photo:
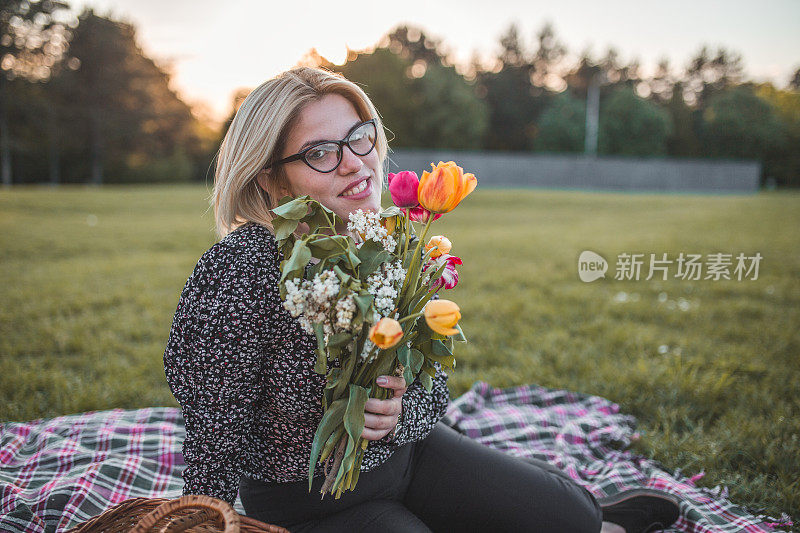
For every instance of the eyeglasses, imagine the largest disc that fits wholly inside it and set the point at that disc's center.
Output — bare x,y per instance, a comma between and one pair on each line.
326,156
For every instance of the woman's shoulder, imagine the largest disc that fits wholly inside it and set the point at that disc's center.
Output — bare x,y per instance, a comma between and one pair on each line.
250,248
250,237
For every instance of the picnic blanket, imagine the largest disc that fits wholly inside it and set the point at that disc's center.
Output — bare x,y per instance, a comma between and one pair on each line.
57,473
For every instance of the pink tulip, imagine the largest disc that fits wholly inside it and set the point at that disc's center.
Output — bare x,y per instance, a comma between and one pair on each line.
403,187
420,214
449,277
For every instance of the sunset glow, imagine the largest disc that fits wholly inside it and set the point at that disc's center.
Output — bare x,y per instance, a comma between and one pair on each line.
214,49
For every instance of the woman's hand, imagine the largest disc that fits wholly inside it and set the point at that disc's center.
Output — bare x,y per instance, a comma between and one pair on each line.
380,416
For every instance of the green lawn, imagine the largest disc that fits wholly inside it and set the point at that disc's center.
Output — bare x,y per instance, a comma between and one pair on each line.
91,279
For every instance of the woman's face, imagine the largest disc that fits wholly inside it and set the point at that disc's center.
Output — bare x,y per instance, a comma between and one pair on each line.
331,118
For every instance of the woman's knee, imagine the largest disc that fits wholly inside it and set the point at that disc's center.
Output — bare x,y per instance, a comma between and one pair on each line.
457,472
581,511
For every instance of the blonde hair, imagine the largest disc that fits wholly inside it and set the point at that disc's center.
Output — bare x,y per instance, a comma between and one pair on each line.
257,136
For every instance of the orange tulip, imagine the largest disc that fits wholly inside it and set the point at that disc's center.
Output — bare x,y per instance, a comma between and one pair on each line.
441,189
440,244
386,333
442,316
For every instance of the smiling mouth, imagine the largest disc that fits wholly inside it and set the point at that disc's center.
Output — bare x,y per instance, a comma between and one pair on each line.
356,188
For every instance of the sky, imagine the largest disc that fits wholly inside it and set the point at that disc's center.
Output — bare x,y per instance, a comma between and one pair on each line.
215,48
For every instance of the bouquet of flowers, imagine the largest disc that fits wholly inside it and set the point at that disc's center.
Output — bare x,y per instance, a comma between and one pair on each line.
368,301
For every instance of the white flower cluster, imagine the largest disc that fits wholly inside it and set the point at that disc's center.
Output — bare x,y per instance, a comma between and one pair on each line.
345,311
368,346
312,301
368,225
384,284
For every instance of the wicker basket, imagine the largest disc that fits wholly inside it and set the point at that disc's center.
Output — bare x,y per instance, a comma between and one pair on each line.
192,513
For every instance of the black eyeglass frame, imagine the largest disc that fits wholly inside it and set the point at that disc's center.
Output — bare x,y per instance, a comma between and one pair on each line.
301,155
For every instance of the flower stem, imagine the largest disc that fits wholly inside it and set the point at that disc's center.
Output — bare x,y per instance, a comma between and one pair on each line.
338,456
364,366
416,255
410,317
406,227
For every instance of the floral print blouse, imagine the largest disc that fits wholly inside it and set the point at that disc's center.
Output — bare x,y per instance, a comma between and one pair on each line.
241,367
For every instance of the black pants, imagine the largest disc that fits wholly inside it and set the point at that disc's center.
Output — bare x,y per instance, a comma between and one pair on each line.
446,482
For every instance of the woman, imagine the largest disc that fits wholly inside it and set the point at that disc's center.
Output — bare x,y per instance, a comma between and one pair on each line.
242,368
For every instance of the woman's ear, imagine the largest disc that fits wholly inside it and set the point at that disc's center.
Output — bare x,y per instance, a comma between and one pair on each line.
266,180
263,179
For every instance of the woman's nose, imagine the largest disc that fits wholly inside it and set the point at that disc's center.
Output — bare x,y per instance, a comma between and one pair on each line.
350,162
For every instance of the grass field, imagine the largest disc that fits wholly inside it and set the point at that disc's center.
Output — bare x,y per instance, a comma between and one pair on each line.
91,279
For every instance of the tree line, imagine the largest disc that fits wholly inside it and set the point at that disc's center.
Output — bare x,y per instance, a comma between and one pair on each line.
530,99
81,103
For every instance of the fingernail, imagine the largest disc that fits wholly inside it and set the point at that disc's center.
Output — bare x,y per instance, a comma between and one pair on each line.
382,380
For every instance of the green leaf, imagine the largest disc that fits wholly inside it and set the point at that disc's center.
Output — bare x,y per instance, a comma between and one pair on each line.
371,255
354,414
294,209
317,268
294,267
353,258
333,352
321,366
347,372
391,211
447,361
404,354
424,330
354,425
339,339
330,421
409,336
332,379
408,374
324,247
386,362
286,248
438,348
423,289
412,275
317,220
357,467
426,380
364,302
331,442
417,358
284,227
344,277
459,337
418,302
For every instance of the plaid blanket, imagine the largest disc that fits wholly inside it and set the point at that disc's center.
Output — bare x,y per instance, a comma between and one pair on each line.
585,436
57,473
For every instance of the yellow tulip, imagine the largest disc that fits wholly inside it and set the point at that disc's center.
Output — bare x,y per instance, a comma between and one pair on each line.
440,245
441,189
390,223
442,316
386,333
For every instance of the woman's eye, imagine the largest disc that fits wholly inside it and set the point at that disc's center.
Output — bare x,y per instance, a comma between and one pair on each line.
316,154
